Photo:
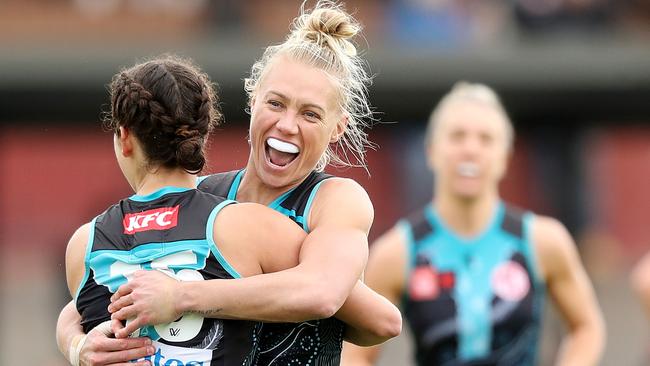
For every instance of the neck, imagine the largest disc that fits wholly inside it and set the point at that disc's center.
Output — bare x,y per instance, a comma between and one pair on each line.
466,217
253,189
164,177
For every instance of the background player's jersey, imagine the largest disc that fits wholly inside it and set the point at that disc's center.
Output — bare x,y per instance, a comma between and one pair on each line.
170,230
315,342
473,301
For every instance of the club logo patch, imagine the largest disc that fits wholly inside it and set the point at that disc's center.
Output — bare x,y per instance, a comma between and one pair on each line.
510,281
424,284
157,219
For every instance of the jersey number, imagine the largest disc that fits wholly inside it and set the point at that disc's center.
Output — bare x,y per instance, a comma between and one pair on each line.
188,325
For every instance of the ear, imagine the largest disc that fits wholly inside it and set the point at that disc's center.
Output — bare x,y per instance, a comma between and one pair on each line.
340,128
125,139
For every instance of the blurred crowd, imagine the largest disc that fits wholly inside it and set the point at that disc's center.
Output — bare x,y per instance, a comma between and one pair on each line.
420,23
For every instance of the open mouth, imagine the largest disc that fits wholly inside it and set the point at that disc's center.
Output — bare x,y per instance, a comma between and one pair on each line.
280,153
468,170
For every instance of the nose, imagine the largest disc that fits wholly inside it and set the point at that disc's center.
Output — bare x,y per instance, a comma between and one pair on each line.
471,146
288,123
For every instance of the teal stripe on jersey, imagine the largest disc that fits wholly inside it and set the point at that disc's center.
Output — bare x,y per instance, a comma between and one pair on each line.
287,212
310,200
276,204
472,260
89,247
209,234
157,194
234,187
278,201
113,267
529,252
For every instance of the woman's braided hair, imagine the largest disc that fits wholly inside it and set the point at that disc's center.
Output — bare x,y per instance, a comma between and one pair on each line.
170,106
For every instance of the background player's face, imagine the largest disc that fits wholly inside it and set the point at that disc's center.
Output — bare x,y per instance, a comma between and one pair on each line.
294,116
469,149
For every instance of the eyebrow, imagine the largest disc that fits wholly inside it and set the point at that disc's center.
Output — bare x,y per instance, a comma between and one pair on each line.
309,105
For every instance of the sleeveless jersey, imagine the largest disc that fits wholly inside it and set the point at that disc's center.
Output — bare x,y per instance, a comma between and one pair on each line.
314,342
473,301
170,230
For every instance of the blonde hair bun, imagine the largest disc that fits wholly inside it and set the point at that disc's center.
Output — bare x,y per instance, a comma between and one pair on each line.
327,25
321,37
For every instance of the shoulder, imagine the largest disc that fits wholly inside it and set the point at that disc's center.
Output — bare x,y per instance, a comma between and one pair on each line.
342,198
550,234
209,198
239,220
251,235
79,239
75,256
553,243
218,183
343,186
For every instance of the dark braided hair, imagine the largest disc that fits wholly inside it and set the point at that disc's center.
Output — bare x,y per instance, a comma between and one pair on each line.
170,106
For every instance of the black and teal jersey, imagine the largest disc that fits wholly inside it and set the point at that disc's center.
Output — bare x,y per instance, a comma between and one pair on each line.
170,230
473,301
315,342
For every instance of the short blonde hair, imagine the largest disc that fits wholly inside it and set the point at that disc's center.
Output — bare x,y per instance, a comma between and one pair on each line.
472,92
322,38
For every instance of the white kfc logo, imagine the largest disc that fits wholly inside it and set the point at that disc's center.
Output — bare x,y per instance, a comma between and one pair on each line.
156,219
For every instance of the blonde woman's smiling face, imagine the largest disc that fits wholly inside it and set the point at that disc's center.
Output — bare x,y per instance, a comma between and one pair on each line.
294,116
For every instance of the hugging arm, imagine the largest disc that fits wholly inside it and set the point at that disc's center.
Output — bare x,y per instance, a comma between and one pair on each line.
322,268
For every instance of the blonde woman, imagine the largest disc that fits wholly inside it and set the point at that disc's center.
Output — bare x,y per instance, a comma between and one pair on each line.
308,100
471,272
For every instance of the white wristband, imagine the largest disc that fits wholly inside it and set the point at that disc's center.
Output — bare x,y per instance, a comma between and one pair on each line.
75,349
79,340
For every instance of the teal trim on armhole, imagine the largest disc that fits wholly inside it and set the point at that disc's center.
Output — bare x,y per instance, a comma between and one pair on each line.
209,231
529,250
201,179
89,247
305,224
278,201
232,192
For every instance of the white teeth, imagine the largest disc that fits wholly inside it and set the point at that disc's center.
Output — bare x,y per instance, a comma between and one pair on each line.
468,170
282,146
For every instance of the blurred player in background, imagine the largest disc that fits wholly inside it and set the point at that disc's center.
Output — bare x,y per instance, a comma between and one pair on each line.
471,272
307,97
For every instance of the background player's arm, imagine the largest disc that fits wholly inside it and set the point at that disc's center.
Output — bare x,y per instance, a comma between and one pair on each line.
572,293
98,349
386,274
640,282
331,259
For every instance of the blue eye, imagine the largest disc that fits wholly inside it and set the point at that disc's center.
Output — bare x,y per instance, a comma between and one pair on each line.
274,103
312,115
